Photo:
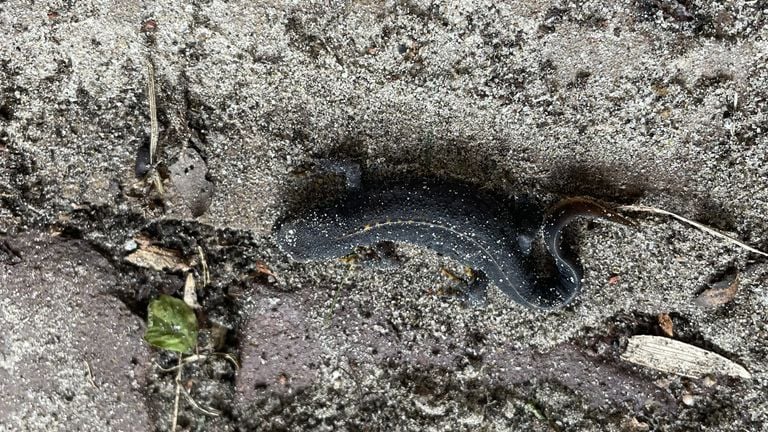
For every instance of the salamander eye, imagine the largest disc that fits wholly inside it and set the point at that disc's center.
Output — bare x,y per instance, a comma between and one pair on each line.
525,243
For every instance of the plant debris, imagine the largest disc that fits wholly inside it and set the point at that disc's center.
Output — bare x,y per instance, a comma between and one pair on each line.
153,125
666,325
190,295
679,358
157,258
719,293
154,257
171,325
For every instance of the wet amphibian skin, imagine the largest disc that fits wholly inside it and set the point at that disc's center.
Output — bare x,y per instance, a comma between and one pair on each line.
494,239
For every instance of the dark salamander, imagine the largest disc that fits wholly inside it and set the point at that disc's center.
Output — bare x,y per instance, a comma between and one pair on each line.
453,220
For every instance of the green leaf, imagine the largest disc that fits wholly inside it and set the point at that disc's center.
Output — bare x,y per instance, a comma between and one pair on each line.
172,325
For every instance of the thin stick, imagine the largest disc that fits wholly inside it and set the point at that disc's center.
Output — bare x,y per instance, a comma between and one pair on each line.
204,265
157,182
229,357
200,357
212,412
152,113
704,228
89,374
176,402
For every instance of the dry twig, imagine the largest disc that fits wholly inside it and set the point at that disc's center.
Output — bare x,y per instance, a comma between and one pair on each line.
153,131
176,401
706,229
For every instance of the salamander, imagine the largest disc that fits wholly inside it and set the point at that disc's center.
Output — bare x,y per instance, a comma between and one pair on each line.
455,220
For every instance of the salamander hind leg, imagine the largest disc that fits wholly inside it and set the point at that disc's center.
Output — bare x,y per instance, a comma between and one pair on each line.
473,288
381,254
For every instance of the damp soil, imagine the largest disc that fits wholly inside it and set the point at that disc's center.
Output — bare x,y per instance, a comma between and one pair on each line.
650,102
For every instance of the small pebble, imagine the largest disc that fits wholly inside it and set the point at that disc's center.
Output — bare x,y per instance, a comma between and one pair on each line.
130,245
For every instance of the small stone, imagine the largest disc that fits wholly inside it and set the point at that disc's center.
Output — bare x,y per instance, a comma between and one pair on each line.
708,381
636,425
130,245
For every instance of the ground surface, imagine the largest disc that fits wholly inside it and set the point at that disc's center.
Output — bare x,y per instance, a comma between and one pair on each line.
656,102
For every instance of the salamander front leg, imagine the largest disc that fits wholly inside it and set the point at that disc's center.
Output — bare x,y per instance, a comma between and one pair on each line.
473,290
